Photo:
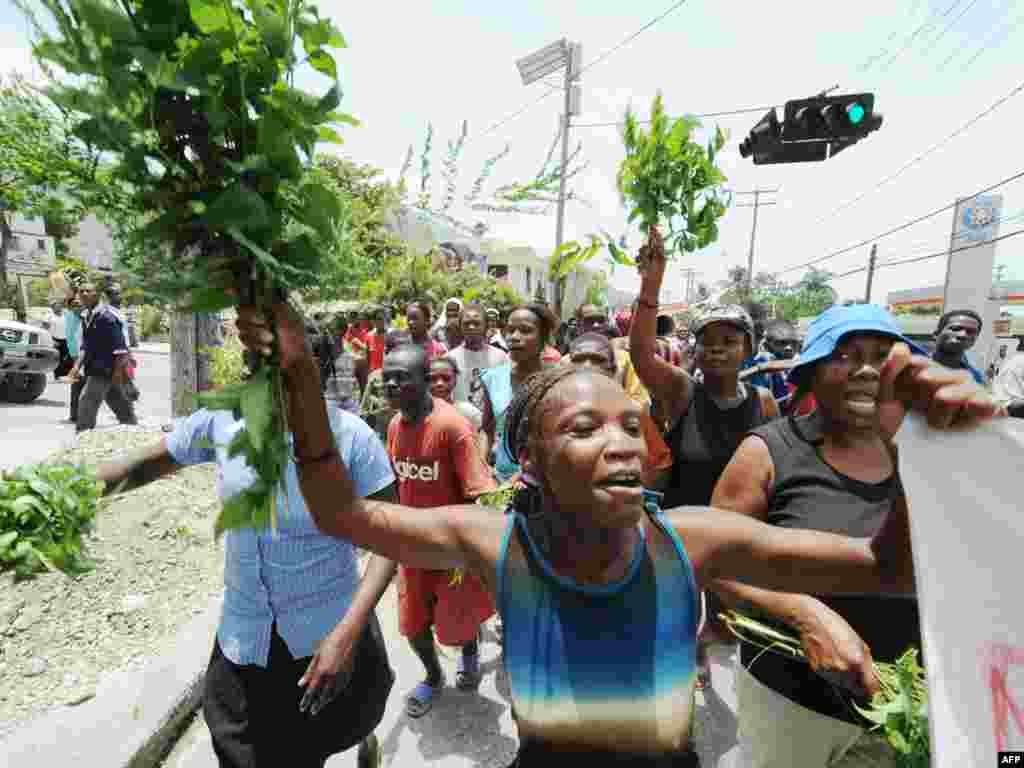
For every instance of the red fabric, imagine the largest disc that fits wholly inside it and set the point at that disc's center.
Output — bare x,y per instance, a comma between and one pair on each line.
550,356
437,463
805,406
427,598
375,346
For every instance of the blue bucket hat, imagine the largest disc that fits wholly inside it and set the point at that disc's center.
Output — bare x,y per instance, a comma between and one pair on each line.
829,328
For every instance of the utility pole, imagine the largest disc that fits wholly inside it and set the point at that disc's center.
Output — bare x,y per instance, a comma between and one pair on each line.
572,67
753,230
871,273
688,275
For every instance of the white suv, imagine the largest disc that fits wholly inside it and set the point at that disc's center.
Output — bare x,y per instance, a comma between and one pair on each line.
27,356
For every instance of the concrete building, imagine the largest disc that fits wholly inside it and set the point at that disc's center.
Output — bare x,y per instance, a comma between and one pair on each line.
1008,292
93,245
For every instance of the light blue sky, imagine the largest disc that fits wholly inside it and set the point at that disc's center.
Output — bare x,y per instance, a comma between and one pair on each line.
448,60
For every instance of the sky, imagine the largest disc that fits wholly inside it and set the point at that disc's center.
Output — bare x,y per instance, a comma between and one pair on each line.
933,65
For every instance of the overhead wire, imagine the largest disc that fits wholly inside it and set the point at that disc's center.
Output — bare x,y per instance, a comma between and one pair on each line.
903,226
726,113
910,40
934,255
987,45
509,118
914,161
949,26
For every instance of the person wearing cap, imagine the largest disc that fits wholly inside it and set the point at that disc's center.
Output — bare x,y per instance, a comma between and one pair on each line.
705,420
833,470
957,332
781,343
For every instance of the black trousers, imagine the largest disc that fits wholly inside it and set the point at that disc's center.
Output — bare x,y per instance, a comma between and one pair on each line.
76,392
253,712
98,389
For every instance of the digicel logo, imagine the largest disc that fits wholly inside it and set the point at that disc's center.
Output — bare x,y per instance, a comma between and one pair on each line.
409,470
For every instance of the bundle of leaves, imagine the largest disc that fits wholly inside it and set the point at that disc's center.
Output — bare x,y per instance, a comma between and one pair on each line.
194,100
499,498
669,179
900,708
44,510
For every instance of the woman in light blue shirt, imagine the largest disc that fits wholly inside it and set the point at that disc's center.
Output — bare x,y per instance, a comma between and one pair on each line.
298,654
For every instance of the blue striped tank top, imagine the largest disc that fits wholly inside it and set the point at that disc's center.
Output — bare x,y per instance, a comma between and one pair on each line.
601,670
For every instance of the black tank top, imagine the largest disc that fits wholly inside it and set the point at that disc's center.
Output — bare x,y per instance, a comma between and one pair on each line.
703,442
810,494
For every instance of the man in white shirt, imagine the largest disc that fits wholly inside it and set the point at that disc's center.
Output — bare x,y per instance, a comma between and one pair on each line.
60,341
474,355
1009,384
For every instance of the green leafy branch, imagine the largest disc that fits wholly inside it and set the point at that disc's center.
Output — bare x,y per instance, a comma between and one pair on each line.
667,178
195,101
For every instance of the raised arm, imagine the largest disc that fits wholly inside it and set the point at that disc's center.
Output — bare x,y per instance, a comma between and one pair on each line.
663,380
448,537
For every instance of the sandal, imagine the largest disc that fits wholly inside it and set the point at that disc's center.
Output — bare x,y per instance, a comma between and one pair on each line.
421,700
467,672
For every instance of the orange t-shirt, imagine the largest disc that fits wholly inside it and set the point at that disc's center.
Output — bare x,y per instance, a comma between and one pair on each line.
436,460
375,349
659,456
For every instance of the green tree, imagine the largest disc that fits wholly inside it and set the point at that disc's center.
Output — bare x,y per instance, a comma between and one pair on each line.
412,276
45,171
364,244
195,102
811,296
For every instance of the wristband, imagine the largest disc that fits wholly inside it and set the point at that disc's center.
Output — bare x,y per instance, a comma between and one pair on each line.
327,455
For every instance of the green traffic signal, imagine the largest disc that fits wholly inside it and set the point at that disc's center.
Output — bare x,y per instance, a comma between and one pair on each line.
855,112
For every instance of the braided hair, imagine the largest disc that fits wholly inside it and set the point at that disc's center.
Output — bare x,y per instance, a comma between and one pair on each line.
522,416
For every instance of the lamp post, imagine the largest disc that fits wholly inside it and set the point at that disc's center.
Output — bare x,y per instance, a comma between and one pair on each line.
568,56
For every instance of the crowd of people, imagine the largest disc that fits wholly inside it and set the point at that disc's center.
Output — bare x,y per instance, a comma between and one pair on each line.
658,474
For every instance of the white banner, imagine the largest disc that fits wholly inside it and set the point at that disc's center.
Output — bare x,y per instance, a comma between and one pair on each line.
967,521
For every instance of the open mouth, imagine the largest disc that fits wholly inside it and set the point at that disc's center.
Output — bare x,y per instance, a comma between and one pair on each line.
621,481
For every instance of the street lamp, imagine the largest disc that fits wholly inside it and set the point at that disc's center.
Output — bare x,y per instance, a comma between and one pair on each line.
568,56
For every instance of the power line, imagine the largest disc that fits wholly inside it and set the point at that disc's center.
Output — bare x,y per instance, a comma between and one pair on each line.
949,252
598,60
885,51
950,25
934,148
988,44
901,227
927,24
701,115
937,254
635,35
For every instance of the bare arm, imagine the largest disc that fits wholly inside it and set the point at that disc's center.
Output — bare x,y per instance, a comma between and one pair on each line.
663,380
488,427
379,573
463,536
137,468
769,407
727,545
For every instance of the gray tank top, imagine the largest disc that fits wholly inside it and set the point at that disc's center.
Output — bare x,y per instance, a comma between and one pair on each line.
810,494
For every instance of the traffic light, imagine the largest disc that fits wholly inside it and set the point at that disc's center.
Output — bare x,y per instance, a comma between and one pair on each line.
812,129
824,118
763,136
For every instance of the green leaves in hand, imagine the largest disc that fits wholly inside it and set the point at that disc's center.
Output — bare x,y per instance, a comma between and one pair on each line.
667,177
